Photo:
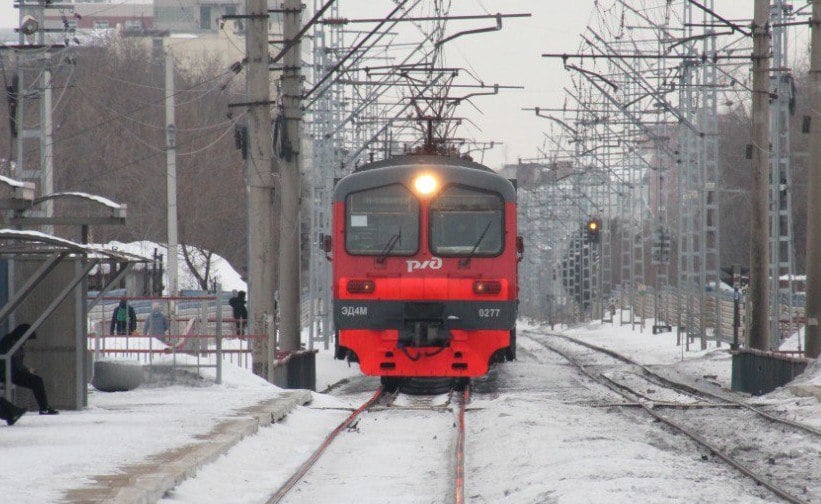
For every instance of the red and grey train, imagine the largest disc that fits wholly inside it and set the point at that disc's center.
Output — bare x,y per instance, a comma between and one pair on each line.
425,267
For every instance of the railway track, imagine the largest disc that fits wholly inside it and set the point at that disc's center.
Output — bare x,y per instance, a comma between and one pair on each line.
789,469
383,400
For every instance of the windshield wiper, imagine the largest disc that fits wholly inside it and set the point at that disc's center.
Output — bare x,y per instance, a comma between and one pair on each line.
389,247
466,260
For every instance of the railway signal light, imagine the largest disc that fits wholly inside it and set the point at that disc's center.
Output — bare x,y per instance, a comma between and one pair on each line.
593,229
661,247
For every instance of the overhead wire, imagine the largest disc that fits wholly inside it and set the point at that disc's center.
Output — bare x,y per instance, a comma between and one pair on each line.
144,106
157,153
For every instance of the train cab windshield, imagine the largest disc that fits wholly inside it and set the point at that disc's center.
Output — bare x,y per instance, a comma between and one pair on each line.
382,221
466,222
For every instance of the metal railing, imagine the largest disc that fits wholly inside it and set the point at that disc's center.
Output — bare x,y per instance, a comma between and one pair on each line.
199,334
676,307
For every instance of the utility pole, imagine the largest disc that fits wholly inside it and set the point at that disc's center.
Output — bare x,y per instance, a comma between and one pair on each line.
759,243
261,187
289,157
32,32
812,343
171,172
46,134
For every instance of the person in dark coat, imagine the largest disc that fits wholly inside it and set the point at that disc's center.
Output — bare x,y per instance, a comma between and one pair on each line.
237,303
124,317
9,412
21,375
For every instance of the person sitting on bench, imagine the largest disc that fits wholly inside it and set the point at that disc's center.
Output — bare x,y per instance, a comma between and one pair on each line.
21,375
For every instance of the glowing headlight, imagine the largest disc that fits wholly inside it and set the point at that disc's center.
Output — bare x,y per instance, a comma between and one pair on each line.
425,184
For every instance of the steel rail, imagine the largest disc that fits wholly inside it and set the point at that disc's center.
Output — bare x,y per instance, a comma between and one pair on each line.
306,466
460,450
691,390
661,418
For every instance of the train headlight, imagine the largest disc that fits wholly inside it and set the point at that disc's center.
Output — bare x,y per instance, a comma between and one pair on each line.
425,184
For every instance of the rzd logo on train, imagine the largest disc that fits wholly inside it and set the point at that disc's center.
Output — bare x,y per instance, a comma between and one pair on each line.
434,264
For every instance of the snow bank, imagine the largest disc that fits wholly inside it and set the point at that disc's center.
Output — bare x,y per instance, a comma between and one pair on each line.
808,383
221,270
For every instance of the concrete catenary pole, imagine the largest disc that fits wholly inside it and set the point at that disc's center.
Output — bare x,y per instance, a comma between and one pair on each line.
261,187
289,156
171,174
813,305
759,243
46,141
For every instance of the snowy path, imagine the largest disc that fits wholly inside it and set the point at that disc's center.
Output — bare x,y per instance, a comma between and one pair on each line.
545,440
537,432
783,456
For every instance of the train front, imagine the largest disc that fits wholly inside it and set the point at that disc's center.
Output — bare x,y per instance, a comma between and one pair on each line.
425,258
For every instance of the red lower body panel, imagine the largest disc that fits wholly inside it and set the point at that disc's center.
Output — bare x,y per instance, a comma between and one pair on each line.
467,356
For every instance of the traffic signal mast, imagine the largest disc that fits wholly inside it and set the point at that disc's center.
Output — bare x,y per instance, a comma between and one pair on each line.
593,229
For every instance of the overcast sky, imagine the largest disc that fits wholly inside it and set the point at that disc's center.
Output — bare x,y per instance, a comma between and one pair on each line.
511,56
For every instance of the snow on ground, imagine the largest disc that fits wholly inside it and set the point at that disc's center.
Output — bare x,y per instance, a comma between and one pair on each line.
393,472
44,456
541,446
711,364
538,440
810,382
800,400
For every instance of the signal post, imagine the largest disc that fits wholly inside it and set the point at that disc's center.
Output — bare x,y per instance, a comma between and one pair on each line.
590,284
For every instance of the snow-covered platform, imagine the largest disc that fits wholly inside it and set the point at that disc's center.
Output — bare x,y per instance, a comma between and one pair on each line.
135,446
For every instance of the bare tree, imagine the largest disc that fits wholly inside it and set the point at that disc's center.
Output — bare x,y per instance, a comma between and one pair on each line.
199,264
109,140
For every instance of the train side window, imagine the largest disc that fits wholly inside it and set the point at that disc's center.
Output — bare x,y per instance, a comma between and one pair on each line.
382,221
467,222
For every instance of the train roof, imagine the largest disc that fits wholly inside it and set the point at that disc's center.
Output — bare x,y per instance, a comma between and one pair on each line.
426,159
403,169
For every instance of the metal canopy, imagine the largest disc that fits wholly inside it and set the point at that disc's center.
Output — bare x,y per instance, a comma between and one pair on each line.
115,213
18,244
22,194
35,242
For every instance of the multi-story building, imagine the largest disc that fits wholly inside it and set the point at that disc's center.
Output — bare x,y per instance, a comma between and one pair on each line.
128,15
192,16
193,30
173,16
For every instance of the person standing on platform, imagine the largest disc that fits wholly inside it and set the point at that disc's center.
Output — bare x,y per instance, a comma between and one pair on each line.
240,311
123,319
156,324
